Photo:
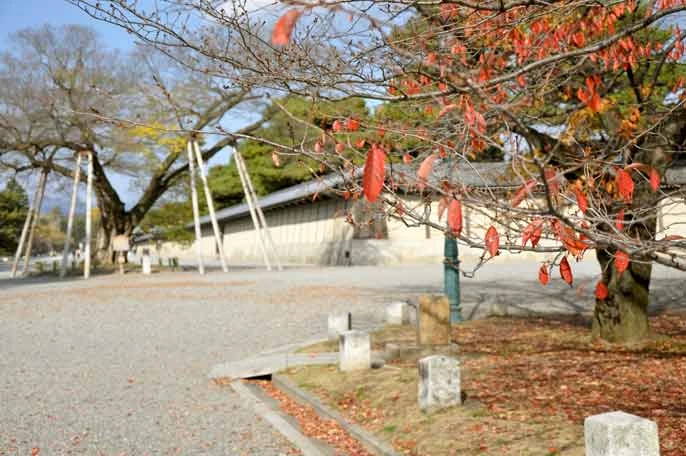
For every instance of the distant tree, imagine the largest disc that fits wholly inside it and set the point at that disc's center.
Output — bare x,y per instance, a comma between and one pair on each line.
14,205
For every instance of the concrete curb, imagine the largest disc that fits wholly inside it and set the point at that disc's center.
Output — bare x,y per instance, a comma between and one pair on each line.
371,442
289,431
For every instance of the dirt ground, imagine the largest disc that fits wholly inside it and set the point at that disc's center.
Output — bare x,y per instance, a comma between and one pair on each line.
528,384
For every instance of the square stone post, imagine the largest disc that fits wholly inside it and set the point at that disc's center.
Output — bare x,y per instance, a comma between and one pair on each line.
339,322
354,351
433,320
397,313
439,383
620,434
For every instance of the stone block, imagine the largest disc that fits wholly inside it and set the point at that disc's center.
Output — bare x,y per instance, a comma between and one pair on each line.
338,323
439,383
433,320
354,351
397,313
620,434
147,265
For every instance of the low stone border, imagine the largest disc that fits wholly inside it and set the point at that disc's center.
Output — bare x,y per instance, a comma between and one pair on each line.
371,442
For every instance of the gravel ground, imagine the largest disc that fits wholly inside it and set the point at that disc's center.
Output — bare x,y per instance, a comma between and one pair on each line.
118,366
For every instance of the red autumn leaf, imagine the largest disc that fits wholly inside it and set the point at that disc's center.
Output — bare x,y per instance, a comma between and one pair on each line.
283,28
425,171
374,173
581,200
455,217
553,180
352,124
276,159
625,185
407,159
654,179
492,240
337,126
360,143
533,232
566,271
340,147
601,291
621,261
523,192
442,206
543,275
619,220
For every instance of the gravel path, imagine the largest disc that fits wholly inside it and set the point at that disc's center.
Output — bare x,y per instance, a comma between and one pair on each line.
118,366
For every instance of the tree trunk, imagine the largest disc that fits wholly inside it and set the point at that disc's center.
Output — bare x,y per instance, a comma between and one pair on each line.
623,316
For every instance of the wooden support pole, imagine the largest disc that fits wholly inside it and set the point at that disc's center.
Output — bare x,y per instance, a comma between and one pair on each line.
89,222
24,232
260,214
253,215
210,206
70,220
34,220
196,209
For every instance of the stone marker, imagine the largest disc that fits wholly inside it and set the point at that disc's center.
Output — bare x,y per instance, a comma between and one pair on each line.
439,383
354,351
397,313
339,322
147,265
620,434
433,320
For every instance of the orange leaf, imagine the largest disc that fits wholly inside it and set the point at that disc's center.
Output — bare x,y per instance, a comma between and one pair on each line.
337,126
352,124
424,171
566,271
654,179
360,143
601,291
581,200
621,261
619,220
625,185
283,28
455,217
492,240
553,180
523,192
340,147
374,173
407,159
543,275
533,232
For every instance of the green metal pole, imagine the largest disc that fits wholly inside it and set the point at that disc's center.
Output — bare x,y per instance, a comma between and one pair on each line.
451,265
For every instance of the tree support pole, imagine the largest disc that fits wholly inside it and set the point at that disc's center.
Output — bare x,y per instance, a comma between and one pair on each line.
34,220
451,265
196,210
253,215
89,222
24,233
70,220
260,215
210,206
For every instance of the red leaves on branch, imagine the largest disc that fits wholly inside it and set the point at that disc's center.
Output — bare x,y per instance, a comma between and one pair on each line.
337,126
566,271
581,200
625,185
374,173
523,192
283,28
442,206
455,217
621,261
492,240
601,291
533,232
424,171
340,147
543,275
352,124
654,179
553,180
407,159
619,220
590,96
